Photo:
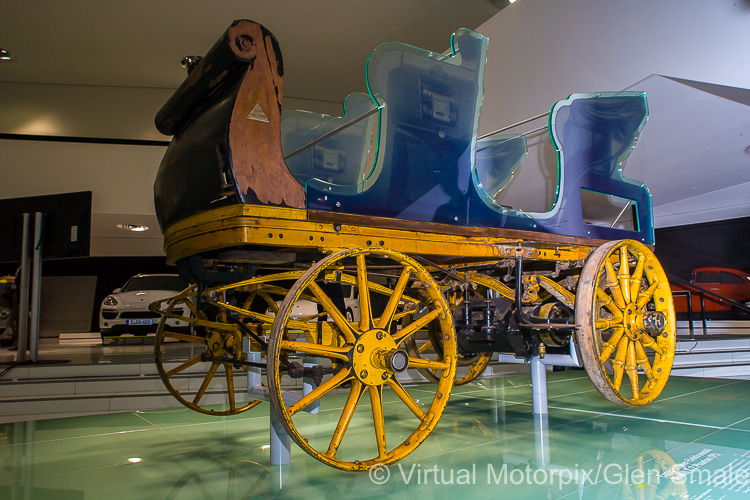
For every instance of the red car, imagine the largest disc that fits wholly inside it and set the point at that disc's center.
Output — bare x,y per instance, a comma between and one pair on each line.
730,283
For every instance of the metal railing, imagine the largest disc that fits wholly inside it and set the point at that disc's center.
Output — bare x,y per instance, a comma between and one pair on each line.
702,293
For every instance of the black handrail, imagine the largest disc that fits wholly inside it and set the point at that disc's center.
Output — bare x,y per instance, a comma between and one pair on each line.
721,298
702,292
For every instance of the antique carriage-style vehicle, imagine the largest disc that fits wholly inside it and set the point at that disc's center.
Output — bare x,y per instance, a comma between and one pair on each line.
276,217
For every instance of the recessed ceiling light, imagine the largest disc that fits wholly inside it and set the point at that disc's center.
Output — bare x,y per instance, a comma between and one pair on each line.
132,227
5,55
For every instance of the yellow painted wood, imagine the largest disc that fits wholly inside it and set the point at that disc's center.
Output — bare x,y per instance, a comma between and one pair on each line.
256,226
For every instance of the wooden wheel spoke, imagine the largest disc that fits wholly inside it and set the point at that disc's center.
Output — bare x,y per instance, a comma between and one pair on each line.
193,309
606,324
427,345
649,342
608,302
326,351
404,396
312,317
183,366
320,391
376,399
398,291
618,364
365,309
637,277
230,385
610,276
623,275
185,337
206,382
269,300
416,326
642,360
632,370
338,318
646,295
426,363
610,345
355,395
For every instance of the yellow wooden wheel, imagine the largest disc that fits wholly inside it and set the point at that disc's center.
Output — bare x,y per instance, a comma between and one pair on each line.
626,322
218,339
364,358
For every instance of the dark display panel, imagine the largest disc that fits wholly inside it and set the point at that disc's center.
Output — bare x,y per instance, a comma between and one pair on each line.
67,225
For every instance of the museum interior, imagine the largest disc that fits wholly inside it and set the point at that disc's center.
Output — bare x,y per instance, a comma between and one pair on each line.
357,249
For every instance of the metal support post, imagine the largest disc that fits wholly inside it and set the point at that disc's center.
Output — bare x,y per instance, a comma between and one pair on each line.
539,386
280,441
36,286
23,308
541,440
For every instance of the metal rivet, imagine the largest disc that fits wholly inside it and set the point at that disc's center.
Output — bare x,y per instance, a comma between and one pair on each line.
384,376
363,373
368,242
360,348
379,335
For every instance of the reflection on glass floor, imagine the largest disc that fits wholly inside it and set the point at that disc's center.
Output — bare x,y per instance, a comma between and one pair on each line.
691,443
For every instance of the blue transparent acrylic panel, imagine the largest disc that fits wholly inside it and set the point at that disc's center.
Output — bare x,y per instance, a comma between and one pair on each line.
331,149
497,158
427,129
426,164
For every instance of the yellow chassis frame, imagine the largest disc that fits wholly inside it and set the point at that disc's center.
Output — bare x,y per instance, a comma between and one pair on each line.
289,228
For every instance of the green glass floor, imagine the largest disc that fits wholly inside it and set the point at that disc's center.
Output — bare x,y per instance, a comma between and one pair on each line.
692,442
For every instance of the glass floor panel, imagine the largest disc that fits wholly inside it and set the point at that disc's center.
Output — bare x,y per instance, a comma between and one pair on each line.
692,442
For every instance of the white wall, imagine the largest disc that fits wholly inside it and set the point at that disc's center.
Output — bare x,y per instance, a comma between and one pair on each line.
121,177
541,51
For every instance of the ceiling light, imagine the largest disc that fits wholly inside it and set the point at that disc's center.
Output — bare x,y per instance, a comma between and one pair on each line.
5,55
132,227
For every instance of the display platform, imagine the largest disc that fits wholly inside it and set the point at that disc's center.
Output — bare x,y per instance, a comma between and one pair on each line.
692,441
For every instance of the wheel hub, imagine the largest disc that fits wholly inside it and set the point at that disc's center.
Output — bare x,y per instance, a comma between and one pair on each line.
376,357
637,322
222,343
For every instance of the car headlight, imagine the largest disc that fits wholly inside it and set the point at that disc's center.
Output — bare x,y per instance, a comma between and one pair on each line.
110,300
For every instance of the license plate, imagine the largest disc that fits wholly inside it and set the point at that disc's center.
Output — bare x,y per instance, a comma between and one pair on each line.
140,322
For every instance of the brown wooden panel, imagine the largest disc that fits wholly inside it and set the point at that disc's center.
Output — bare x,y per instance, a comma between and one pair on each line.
255,129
